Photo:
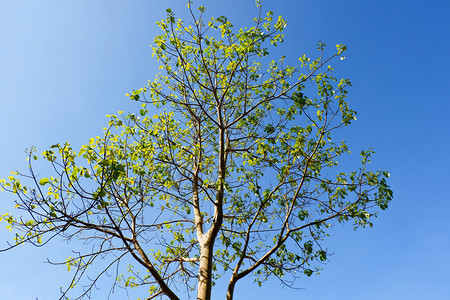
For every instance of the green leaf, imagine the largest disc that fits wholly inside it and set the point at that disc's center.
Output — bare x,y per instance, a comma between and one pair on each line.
44,181
322,255
308,247
302,215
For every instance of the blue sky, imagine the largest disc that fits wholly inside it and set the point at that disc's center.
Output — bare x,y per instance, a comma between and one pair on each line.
65,64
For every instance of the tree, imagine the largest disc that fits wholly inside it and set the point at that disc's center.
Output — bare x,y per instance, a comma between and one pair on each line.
236,175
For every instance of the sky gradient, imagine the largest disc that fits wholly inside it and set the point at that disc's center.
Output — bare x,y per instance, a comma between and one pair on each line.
64,65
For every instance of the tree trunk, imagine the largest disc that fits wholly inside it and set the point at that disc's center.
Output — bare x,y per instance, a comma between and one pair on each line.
207,240
230,290
205,271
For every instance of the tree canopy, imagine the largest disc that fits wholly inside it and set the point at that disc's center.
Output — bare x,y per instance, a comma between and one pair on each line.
230,169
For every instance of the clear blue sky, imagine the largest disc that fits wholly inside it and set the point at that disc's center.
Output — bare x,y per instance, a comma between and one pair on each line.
65,64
